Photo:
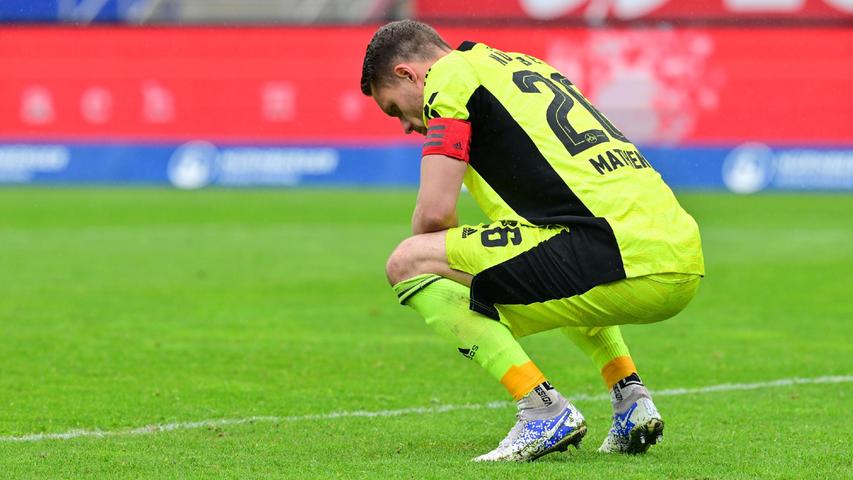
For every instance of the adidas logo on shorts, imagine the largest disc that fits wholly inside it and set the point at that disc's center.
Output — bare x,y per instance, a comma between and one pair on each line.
468,231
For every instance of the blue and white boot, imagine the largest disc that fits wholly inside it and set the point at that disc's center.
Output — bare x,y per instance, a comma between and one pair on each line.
540,430
637,424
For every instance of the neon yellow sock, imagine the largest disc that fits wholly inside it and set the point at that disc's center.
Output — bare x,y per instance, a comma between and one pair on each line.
606,348
444,304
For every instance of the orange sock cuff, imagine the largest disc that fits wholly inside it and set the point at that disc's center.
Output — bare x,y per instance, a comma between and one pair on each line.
617,369
520,380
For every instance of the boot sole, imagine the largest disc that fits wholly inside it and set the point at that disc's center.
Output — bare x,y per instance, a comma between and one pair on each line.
572,440
644,436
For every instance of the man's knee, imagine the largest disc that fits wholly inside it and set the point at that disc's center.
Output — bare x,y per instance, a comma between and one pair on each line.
415,256
402,263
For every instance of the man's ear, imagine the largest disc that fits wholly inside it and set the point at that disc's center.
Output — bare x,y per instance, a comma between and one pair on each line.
405,72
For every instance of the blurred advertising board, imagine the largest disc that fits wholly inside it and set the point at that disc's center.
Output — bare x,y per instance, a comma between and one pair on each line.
632,10
84,11
713,108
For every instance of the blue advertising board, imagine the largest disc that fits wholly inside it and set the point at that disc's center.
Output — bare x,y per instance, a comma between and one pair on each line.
82,11
748,168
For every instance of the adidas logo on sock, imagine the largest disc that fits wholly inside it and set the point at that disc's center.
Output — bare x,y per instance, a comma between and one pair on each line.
469,352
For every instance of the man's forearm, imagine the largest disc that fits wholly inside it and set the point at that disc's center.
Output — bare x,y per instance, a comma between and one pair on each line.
424,222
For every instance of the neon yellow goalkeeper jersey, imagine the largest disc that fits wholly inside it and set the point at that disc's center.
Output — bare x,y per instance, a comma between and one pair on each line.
542,154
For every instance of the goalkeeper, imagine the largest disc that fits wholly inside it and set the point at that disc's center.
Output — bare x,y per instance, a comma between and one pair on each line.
585,235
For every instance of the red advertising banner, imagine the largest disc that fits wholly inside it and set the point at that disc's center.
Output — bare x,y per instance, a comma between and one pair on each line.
597,10
273,85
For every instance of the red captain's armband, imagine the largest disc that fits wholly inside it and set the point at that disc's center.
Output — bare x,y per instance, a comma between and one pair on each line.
450,137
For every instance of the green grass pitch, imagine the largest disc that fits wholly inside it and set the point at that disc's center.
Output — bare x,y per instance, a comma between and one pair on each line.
121,308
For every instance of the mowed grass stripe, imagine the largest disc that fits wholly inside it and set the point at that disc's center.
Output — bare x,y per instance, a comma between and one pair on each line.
168,427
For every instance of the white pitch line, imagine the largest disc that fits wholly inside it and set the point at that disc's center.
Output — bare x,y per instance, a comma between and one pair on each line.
168,427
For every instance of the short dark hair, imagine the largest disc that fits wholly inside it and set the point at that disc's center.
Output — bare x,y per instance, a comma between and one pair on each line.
395,41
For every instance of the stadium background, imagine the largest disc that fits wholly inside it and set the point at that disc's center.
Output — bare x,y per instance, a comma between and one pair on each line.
737,94
197,203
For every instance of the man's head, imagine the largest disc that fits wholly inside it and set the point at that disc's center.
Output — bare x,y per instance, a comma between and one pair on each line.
395,64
